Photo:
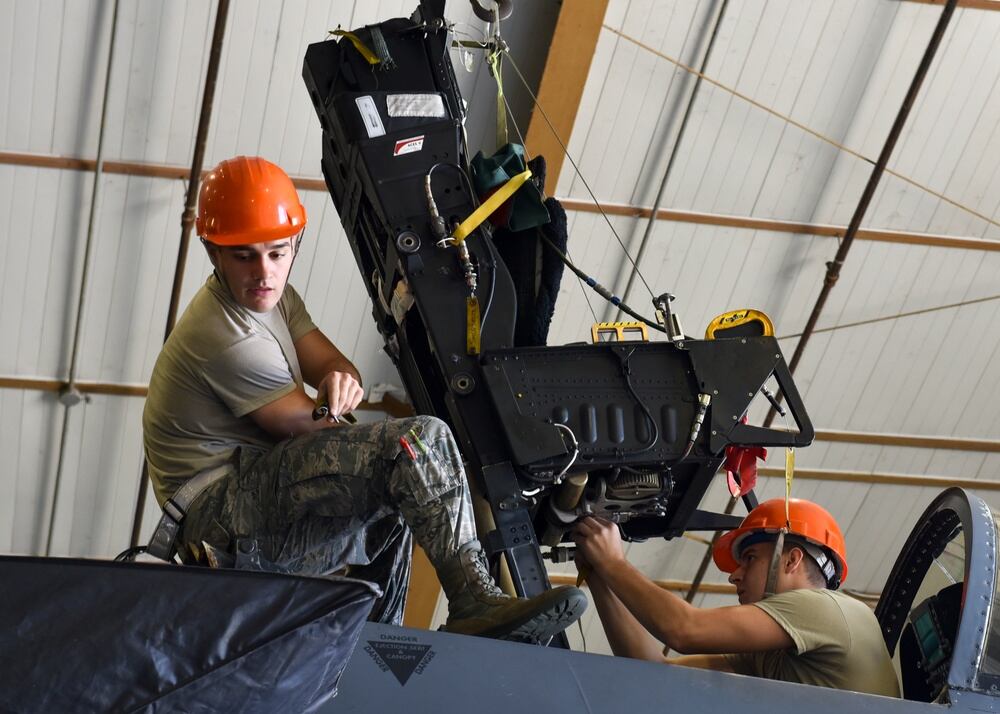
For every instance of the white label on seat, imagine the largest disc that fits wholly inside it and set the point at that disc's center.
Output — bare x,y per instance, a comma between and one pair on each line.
370,115
415,105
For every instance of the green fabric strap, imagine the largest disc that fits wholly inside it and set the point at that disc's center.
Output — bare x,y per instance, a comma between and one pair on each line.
527,208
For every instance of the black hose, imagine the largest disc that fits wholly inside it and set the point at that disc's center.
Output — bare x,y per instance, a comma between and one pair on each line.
600,289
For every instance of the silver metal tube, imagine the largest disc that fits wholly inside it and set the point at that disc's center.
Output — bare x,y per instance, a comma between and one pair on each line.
69,395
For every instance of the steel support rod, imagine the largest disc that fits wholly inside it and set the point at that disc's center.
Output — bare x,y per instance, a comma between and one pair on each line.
834,266
187,218
194,177
69,396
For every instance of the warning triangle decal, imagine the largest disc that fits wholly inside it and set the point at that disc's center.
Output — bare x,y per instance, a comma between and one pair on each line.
401,658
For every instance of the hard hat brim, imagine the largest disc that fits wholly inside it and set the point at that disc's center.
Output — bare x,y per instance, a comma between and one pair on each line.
233,239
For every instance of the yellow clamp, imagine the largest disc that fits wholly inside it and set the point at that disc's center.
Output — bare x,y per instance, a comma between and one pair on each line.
619,332
358,45
489,205
736,318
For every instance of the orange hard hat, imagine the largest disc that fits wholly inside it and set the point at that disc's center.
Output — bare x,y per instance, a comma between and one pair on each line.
248,200
806,521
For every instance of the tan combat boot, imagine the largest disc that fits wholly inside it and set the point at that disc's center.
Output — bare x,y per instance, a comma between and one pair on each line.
476,606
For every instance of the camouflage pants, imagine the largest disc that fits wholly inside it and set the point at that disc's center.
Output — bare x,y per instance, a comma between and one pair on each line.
343,496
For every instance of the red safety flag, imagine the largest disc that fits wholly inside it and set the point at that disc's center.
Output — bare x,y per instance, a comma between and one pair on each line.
741,468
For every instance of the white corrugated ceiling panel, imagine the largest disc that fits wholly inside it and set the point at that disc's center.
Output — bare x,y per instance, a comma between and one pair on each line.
840,69
52,68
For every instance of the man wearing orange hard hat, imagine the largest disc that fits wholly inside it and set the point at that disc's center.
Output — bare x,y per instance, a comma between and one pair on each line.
251,478
792,623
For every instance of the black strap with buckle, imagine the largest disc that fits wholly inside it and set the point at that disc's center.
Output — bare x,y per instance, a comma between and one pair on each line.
163,544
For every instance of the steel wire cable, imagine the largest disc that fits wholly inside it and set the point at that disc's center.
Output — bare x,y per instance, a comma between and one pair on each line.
564,258
576,168
799,125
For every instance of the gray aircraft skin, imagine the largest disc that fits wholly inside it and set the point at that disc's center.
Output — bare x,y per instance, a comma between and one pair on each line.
952,546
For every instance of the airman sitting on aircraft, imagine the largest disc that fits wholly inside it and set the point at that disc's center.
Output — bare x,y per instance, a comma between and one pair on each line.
298,493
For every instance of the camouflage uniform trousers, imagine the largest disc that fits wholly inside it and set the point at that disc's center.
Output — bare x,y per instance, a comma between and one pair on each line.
342,496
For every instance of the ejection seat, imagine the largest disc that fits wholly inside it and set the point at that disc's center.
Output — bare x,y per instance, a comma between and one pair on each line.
937,609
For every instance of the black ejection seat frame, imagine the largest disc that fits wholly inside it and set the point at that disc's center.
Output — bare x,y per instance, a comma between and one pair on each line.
631,406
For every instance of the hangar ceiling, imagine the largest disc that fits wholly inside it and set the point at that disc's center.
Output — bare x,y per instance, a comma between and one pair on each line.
795,103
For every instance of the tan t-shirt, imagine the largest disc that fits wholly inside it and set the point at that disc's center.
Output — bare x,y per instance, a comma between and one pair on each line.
220,363
837,639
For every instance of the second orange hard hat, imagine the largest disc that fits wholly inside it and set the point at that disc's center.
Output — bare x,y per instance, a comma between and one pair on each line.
806,520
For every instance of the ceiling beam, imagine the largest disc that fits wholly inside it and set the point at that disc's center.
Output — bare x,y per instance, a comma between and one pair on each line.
127,168
389,404
919,480
672,585
971,4
780,226
716,588
909,440
181,173
567,65
398,408
423,592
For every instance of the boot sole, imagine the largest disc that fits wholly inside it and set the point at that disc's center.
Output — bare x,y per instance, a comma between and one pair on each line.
543,625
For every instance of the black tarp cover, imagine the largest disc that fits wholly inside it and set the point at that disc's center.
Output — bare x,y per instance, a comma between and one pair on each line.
87,635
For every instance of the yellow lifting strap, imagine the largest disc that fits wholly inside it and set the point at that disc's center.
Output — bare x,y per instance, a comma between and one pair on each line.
489,206
494,60
789,474
358,45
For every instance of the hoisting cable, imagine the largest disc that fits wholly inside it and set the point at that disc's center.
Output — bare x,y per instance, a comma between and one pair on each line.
668,171
564,258
486,44
600,289
897,316
495,61
799,125
576,169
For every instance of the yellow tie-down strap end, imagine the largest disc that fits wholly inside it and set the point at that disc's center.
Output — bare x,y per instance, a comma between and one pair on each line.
740,323
358,45
490,205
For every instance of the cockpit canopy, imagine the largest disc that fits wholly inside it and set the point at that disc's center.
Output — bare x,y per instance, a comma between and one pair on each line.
936,611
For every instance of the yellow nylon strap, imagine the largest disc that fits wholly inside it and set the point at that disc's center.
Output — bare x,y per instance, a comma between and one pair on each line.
789,474
494,60
472,319
489,205
358,45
